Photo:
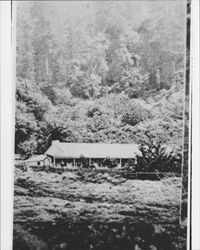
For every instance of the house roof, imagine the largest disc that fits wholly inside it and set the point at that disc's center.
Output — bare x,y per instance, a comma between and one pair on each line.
35,158
18,157
92,150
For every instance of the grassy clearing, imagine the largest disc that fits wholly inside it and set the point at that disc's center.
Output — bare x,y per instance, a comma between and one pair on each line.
45,200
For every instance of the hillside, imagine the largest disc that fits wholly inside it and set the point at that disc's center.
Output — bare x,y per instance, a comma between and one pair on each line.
110,78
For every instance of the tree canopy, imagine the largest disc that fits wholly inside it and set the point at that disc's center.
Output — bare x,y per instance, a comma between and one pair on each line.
96,72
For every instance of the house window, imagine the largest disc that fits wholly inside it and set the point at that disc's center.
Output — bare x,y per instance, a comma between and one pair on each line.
38,163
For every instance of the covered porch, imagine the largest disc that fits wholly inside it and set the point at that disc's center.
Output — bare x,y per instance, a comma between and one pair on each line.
93,162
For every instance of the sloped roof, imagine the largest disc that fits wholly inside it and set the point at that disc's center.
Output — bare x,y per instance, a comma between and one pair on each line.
18,157
35,158
92,150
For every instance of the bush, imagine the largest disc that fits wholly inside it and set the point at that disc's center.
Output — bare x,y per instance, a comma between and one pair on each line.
131,165
84,162
154,157
27,148
94,111
110,163
134,114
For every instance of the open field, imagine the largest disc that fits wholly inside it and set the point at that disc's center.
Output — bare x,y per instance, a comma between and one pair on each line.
83,211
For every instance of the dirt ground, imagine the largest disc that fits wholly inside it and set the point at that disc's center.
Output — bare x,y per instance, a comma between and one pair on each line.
78,211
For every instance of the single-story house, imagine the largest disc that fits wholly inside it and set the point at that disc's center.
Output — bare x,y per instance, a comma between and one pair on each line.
69,154
17,158
36,160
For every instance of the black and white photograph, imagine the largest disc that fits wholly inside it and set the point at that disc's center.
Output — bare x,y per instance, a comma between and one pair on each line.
102,125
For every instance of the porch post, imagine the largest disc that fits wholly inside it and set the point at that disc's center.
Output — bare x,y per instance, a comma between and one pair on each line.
54,162
135,160
120,162
89,161
74,162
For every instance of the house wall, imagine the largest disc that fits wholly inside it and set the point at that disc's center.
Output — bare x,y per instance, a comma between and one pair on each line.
35,163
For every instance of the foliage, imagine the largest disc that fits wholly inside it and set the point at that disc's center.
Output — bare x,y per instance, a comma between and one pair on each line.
83,77
134,115
155,157
27,148
110,163
116,49
83,161
94,111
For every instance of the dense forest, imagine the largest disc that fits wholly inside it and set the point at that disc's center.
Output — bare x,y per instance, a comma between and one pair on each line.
99,71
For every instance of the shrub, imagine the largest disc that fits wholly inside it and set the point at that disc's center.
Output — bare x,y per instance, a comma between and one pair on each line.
131,164
110,163
134,114
27,148
84,162
94,111
154,157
